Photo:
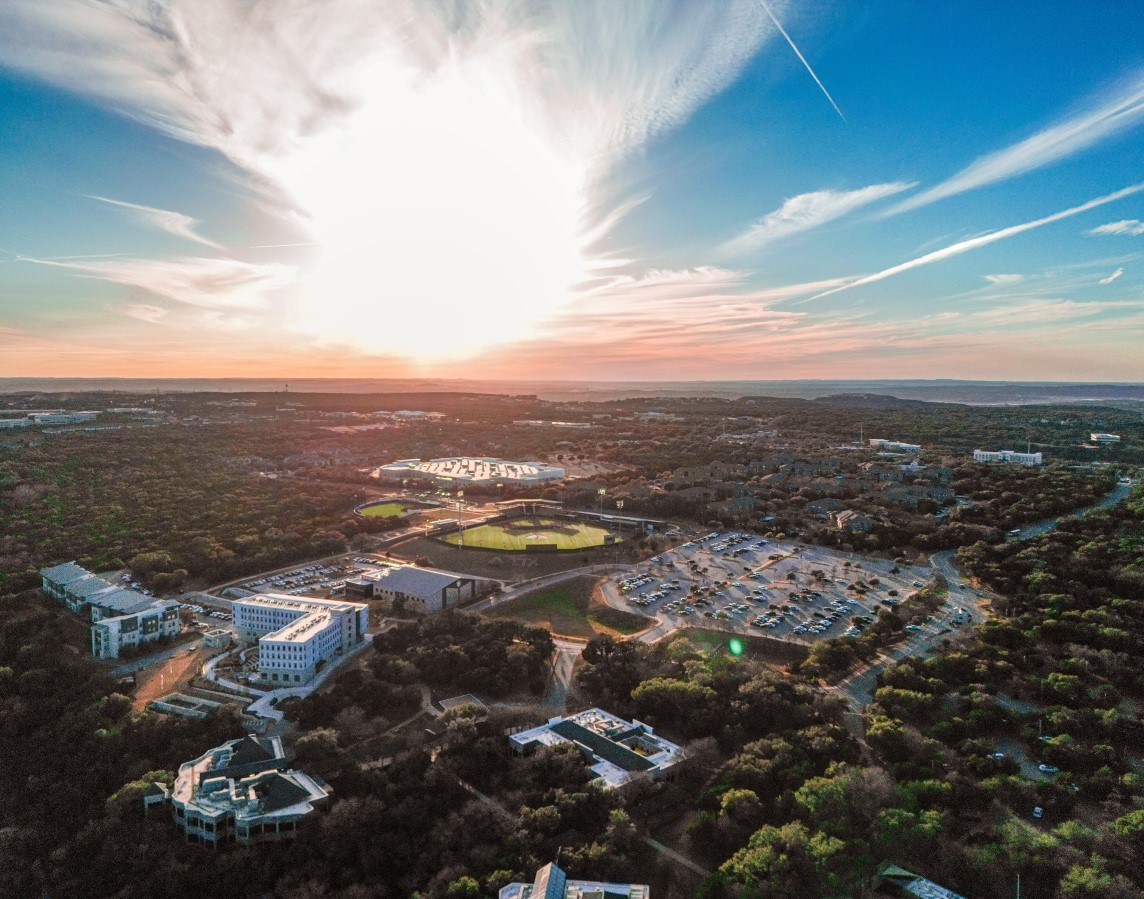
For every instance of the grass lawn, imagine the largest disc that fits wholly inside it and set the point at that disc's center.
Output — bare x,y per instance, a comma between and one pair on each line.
707,640
519,534
383,510
570,609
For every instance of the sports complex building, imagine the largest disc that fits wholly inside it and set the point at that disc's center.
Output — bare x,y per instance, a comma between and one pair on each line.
461,470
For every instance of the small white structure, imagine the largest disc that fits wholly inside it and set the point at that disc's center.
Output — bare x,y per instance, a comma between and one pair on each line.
1104,438
616,750
552,883
120,617
1007,456
242,792
895,446
463,470
296,635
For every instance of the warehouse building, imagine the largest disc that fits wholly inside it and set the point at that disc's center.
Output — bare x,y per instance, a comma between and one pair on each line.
409,588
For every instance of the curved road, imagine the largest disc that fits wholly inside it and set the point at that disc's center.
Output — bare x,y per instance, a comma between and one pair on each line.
858,689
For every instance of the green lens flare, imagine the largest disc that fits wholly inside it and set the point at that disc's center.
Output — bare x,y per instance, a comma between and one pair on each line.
735,646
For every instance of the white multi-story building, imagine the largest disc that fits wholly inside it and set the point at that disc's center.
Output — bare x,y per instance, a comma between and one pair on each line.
15,422
121,618
895,446
242,792
1008,456
297,635
60,417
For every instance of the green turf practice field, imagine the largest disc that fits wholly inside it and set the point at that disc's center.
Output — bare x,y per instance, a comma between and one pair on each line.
571,609
520,533
383,510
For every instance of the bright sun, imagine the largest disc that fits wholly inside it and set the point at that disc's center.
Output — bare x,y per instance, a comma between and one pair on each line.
447,221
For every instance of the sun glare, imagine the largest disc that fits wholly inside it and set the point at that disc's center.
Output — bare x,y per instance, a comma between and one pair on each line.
447,221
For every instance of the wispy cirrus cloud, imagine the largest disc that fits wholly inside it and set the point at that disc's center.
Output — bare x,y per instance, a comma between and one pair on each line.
216,284
807,211
1129,227
448,154
1110,114
1004,279
175,223
1116,274
982,240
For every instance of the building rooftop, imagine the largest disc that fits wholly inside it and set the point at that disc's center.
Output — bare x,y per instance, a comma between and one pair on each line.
552,883
66,573
615,749
913,884
122,601
414,581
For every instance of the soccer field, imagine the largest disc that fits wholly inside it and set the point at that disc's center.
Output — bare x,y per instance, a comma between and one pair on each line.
521,533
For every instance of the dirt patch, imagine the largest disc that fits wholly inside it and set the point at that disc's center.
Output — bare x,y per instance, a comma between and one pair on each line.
174,674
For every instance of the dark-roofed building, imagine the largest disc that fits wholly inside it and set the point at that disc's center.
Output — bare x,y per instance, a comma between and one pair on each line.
552,883
120,617
414,589
615,750
242,792
896,881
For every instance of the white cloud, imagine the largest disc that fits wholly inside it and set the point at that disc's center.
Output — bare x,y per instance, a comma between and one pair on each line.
1130,227
145,312
165,220
806,211
216,284
447,156
1116,274
1113,112
1004,280
983,240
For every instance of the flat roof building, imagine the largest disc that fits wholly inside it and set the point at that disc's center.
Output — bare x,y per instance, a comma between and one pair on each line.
895,446
615,750
414,589
242,792
121,618
297,635
471,470
1104,438
1007,456
552,883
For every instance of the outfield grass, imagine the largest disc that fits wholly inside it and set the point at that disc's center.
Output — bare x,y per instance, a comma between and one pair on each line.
520,533
569,609
384,510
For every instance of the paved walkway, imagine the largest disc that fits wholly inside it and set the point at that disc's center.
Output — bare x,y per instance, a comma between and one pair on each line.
264,705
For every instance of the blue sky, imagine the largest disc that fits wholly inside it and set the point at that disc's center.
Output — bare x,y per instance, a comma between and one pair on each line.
572,190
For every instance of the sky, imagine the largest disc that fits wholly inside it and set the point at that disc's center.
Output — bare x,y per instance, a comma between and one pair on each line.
575,189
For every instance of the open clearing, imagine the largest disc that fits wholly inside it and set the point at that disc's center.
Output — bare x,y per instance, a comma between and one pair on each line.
383,510
520,534
572,609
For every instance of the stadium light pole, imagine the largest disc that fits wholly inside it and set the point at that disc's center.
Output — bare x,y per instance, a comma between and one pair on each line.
619,507
461,515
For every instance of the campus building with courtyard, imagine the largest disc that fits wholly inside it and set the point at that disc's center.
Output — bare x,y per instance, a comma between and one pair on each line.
614,749
241,792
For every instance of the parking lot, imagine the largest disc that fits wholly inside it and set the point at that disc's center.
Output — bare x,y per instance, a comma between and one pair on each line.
742,582
320,580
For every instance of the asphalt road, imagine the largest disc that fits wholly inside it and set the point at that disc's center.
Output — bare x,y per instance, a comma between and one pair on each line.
858,689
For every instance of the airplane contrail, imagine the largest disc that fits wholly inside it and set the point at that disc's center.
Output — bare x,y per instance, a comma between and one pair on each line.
817,80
